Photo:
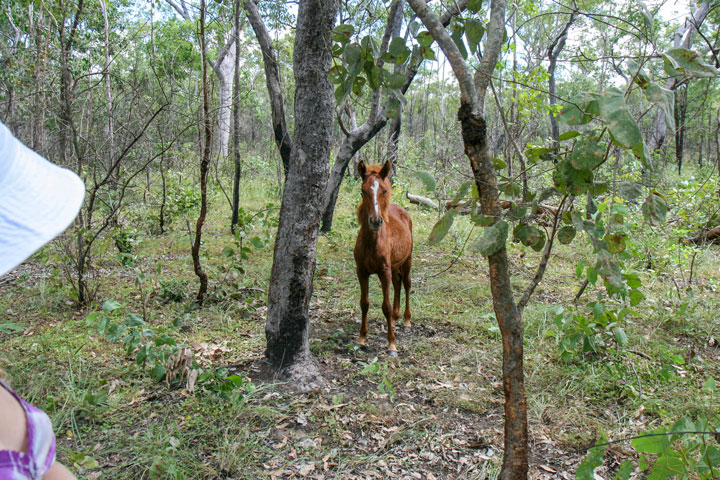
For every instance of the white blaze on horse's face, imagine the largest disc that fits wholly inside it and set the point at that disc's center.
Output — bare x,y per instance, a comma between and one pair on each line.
376,221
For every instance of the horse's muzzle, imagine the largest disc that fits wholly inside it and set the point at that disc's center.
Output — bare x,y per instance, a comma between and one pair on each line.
375,223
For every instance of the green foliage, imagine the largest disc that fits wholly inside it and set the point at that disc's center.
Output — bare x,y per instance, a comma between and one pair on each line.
374,367
492,240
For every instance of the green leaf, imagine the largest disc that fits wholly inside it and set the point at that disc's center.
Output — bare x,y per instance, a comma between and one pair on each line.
587,154
595,458
393,107
374,75
529,236
134,320
653,443
709,385
571,180
462,191
664,99
493,239
228,252
425,38
342,33
667,466
620,337
647,16
442,227
110,306
630,190
474,5
654,209
427,179
397,46
684,62
353,57
116,331
636,296
9,327
358,85
394,80
427,53
474,31
566,234
158,372
499,163
568,135
609,269
625,470
615,242
457,36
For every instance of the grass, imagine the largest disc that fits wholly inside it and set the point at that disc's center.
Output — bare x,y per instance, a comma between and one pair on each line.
435,412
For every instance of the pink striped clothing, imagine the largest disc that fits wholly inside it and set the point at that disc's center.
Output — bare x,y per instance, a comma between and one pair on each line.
40,455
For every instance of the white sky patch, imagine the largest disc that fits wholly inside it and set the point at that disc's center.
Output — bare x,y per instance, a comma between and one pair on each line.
374,188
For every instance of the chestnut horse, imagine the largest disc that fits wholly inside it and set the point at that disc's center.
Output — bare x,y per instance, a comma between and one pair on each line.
384,247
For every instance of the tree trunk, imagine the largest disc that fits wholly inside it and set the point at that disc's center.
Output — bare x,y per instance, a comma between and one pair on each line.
204,163
474,132
224,67
291,281
553,53
272,78
236,124
680,113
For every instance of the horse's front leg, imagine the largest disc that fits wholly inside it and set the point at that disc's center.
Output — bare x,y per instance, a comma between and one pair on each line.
364,304
385,281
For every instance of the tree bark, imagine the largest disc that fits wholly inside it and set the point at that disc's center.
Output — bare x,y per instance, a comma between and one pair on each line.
283,139
224,67
680,114
204,163
474,132
291,282
553,52
236,125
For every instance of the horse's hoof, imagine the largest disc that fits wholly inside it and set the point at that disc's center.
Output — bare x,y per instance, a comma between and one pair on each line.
406,330
393,353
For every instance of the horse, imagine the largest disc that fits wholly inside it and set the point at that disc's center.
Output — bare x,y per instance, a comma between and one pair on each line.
384,247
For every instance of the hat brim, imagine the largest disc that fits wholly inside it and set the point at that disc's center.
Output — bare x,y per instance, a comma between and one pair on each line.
38,200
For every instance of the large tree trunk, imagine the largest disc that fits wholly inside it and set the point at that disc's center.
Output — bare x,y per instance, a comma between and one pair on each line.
474,132
291,282
224,67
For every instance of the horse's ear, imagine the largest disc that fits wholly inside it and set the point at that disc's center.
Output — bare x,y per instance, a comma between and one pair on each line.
361,169
385,171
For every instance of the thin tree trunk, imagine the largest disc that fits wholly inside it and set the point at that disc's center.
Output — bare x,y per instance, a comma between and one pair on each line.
474,132
680,113
291,281
236,124
204,163
110,155
553,52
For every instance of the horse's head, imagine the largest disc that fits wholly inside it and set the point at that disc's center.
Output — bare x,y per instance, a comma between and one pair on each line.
376,191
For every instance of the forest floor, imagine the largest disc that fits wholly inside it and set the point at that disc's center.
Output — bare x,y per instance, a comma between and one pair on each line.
433,413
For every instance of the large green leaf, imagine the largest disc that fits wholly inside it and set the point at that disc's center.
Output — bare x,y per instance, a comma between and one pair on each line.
571,180
529,236
457,36
474,5
609,269
566,234
664,99
442,227
342,33
630,190
670,465
653,441
427,179
684,62
615,242
654,209
397,46
474,31
595,458
493,239
587,154
354,58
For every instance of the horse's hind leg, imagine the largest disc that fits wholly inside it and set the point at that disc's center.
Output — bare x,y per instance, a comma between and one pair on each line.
405,270
396,279
364,304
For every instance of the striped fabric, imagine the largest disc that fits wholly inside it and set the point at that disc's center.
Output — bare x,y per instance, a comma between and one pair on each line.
40,455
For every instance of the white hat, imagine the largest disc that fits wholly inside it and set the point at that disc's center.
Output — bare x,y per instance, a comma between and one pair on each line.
38,200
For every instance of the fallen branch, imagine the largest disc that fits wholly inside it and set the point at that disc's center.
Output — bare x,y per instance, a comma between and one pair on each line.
711,236
420,200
